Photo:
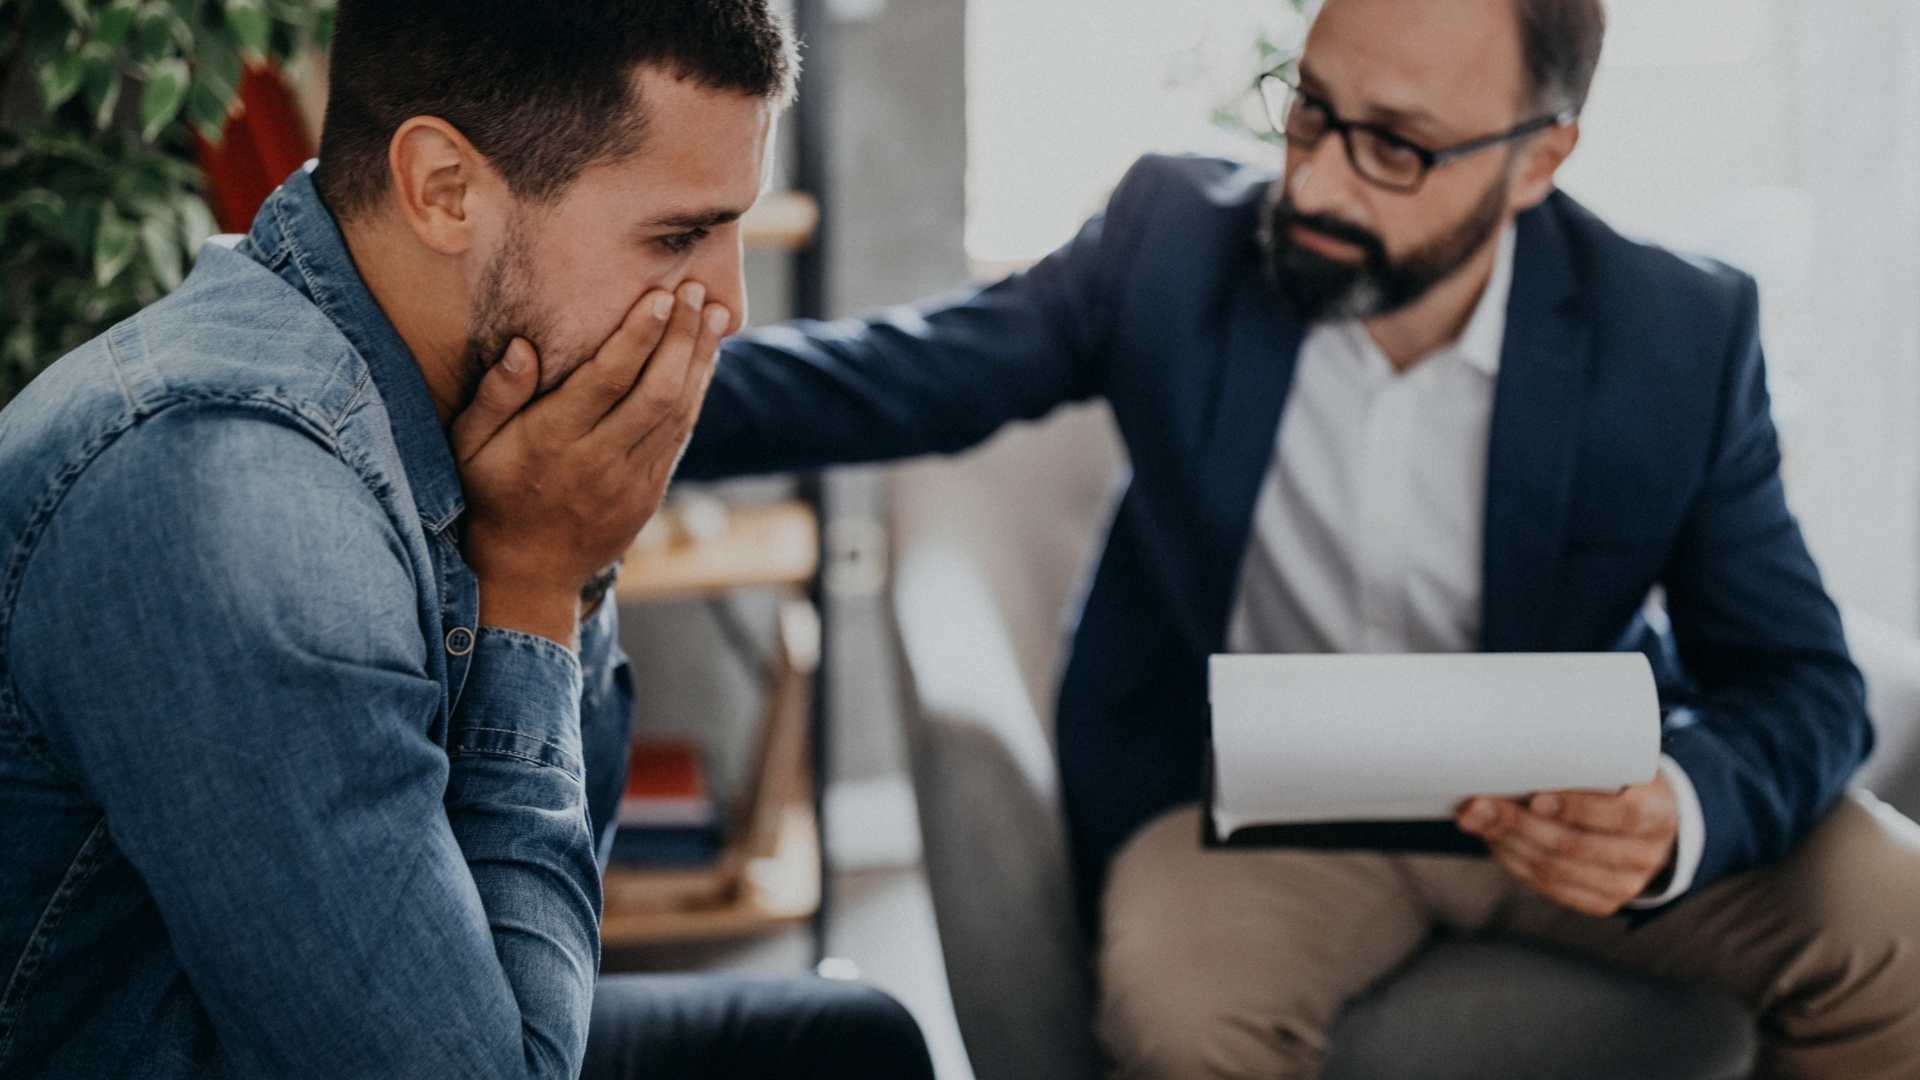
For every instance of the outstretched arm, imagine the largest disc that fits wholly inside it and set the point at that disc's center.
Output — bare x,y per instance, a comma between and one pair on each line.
935,378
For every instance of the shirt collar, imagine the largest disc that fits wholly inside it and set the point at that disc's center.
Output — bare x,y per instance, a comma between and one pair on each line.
1480,343
296,237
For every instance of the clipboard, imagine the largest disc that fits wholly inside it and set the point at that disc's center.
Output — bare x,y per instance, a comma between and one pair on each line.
1401,837
1375,752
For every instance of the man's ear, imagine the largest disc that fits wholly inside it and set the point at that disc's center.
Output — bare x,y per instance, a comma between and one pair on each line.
436,177
1539,163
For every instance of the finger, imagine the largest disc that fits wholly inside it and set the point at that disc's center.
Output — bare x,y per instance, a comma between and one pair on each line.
1593,889
706,358
1631,854
1567,894
600,384
656,457
699,376
1487,818
663,385
1613,863
504,390
1635,811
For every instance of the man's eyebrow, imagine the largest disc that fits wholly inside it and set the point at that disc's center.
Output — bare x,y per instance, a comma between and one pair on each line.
1383,115
1408,117
694,219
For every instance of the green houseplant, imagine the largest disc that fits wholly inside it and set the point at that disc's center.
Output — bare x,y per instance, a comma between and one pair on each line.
100,204
1271,48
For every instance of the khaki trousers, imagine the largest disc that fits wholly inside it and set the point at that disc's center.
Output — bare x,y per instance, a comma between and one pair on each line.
1235,964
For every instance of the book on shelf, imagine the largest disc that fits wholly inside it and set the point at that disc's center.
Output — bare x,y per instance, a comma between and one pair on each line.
670,817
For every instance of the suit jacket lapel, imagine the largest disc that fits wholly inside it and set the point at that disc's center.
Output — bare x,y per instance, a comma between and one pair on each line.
1263,346
1531,458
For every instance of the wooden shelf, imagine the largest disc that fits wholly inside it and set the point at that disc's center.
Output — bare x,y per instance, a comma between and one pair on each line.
769,875
777,544
781,221
769,892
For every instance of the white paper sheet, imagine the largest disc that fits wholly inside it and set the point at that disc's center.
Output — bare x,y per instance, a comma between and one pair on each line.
1300,739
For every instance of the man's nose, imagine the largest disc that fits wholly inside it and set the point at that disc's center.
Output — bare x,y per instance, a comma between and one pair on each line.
1321,181
723,272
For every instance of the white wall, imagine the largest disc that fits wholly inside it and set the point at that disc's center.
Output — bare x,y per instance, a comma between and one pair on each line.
1778,135
1063,95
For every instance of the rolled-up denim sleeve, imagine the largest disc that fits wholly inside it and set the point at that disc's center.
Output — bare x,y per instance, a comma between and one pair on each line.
242,685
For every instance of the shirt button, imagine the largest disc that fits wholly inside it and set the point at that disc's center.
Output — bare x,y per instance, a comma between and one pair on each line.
459,641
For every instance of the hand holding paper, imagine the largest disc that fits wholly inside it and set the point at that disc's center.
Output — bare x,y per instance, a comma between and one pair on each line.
1592,852
1405,740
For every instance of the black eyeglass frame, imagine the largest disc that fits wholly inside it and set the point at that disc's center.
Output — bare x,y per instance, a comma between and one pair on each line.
1430,159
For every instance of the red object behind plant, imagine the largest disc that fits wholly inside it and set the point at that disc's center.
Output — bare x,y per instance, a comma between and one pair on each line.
265,140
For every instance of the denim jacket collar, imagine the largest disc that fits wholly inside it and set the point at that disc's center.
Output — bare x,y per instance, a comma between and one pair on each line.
295,235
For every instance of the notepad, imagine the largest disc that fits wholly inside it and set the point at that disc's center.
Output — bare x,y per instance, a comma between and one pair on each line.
1379,751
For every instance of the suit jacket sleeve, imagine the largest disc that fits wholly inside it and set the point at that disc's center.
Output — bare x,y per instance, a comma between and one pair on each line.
935,378
1776,723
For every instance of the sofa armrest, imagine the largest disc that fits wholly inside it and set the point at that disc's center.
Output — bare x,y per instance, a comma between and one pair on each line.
1890,659
984,780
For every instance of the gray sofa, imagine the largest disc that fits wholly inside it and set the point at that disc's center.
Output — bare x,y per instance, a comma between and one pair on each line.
987,548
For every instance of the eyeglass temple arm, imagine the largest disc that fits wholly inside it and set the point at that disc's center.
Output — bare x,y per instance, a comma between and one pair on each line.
1474,146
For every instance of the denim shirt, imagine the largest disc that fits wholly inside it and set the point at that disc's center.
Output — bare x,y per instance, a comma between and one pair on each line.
271,802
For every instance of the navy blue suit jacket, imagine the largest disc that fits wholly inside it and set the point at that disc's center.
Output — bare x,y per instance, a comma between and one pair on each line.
1632,447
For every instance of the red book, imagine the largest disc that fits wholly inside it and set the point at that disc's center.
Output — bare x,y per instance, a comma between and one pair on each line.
667,785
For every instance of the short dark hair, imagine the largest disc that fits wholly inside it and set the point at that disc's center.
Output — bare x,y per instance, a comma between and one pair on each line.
543,88
1560,44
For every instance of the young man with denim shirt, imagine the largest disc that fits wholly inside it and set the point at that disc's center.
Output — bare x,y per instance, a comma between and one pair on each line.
312,720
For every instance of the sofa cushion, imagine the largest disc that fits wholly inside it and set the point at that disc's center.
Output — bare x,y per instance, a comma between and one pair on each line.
1477,1009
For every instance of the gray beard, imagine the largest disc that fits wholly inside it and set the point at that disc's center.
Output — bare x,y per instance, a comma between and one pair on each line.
1322,289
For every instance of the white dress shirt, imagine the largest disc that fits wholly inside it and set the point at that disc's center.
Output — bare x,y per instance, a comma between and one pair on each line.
1369,530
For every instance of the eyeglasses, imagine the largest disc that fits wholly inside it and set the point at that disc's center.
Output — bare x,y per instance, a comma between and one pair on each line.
1378,155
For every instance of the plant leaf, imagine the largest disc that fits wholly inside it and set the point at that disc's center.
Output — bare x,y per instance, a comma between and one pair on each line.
153,33
196,222
161,243
20,344
44,210
207,109
102,82
161,98
60,79
248,18
104,97
113,246
217,64
77,11
115,20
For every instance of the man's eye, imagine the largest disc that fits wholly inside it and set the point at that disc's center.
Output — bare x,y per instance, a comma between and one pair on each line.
1397,151
681,243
